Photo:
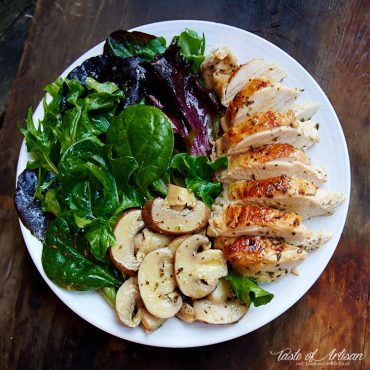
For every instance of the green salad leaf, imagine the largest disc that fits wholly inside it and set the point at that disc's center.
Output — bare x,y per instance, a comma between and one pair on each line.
144,133
66,264
125,44
198,172
191,47
247,290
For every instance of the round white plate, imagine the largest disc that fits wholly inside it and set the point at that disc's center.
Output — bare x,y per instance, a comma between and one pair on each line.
331,153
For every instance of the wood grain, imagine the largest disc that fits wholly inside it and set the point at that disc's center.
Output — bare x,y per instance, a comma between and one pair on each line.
331,40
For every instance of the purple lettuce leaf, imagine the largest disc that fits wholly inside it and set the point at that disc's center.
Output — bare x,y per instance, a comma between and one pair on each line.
192,108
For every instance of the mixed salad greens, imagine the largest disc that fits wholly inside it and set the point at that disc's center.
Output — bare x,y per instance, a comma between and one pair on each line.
119,128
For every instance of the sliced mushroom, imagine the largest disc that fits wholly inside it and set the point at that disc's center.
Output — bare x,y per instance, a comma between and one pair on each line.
128,303
122,253
157,284
150,322
174,244
178,198
198,267
217,308
158,215
147,241
186,313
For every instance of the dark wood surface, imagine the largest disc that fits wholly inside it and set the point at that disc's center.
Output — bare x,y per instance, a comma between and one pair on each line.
331,40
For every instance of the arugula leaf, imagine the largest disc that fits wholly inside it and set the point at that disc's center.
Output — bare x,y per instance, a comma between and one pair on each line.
191,48
247,290
145,133
125,44
198,172
39,143
67,266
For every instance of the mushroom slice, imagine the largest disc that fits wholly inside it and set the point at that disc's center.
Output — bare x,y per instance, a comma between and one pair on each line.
219,313
147,241
216,308
158,215
128,303
150,322
157,284
174,244
122,253
198,267
178,198
186,313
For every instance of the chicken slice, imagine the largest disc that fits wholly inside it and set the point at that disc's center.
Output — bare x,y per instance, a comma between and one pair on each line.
235,220
271,161
267,128
217,69
285,193
305,110
258,95
265,259
254,68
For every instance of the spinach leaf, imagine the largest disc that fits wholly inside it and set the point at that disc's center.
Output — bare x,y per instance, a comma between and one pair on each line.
67,266
144,133
109,294
191,48
125,44
87,184
247,290
198,172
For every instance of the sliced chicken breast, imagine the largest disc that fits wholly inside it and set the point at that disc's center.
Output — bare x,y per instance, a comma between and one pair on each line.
236,220
258,95
271,161
265,259
255,68
217,69
267,128
285,193
305,110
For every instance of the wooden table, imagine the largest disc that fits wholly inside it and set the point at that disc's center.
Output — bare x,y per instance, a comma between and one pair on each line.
331,40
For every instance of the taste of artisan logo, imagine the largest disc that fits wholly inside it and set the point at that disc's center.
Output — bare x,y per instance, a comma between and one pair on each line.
335,357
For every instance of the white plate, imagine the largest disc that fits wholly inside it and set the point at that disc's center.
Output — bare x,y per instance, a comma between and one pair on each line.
331,152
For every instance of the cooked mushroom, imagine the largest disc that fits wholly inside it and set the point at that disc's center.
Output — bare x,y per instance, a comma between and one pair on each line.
217,308
122,253
174,244
150,322
147,241
198,267
186,313
158,215
178,198
157,284
128,303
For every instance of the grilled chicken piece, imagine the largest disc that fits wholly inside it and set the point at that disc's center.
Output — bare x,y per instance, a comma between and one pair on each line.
265,259
267,128
236,220
305,110
271,161
258,95
255,68
285,193
217,69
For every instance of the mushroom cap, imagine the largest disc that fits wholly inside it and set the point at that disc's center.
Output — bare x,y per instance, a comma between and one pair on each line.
198,267
157,284
158,215
186,313
127,302
122,253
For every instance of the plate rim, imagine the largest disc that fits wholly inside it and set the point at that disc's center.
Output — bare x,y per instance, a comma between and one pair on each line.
200,342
